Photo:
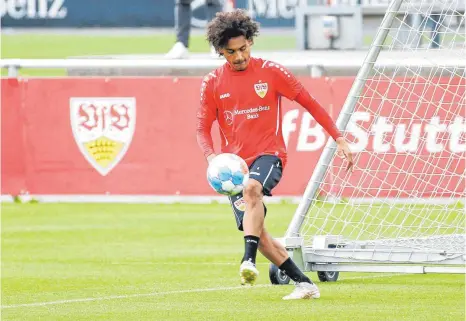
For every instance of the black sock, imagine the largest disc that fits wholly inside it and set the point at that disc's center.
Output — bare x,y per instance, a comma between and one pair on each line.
290,268
251,243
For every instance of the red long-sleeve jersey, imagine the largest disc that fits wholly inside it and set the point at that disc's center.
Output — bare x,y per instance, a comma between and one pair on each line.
247,106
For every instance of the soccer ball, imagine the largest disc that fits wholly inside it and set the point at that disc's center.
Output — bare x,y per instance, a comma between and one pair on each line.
227,174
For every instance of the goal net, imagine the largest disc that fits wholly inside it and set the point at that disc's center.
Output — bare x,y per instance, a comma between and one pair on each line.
405,120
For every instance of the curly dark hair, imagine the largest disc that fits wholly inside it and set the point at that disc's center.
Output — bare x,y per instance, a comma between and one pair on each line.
227,25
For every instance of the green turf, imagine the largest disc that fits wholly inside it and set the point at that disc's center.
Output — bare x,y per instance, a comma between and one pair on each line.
63,46
29,46
41,46
55,252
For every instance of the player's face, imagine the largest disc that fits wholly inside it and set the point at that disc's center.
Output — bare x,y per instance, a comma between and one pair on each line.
237,52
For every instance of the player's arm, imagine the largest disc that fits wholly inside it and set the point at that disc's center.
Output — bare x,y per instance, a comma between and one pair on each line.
206,115
318,112
292,88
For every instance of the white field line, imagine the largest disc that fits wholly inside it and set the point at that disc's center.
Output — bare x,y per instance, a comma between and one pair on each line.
141,295
127,296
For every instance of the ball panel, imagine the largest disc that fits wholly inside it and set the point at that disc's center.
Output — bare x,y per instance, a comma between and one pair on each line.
212,171
228,186
237,177
224,173
215,183
234,166
238,189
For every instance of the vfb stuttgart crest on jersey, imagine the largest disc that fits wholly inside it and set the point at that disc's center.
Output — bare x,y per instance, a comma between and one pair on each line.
103,129
261,89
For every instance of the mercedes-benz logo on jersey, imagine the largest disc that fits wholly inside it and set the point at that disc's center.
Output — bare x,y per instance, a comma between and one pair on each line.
228,117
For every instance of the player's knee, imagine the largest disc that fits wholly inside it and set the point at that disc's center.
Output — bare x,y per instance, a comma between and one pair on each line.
252,192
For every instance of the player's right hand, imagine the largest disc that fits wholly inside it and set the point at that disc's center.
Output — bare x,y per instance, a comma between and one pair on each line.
210,157
344,151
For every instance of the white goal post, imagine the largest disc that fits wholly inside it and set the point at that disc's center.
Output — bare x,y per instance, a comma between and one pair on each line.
403,207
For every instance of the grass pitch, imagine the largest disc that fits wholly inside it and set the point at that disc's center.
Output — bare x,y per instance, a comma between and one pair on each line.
64,46
180,262
59,46
50,46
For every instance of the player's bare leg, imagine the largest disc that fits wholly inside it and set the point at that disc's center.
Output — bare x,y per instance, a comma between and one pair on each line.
253,223
272,249
276,253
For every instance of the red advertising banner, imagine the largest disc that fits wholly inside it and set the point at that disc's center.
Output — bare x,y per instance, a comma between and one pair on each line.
409,136
13,154
137,136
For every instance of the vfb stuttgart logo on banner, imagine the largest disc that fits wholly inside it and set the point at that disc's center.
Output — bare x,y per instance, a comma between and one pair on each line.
103,129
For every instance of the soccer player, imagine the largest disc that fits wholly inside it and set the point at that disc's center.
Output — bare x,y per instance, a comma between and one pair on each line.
243,95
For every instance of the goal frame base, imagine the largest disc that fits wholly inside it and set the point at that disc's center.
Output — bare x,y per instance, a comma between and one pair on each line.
401,260
383,268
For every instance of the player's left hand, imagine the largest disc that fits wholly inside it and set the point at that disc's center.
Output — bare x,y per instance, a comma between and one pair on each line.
344,151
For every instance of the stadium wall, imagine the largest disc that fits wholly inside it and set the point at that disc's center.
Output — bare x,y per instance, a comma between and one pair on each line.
136,136
151,13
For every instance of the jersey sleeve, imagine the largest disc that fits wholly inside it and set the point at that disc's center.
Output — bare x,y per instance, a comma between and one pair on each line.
206,115
318,112
285,82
